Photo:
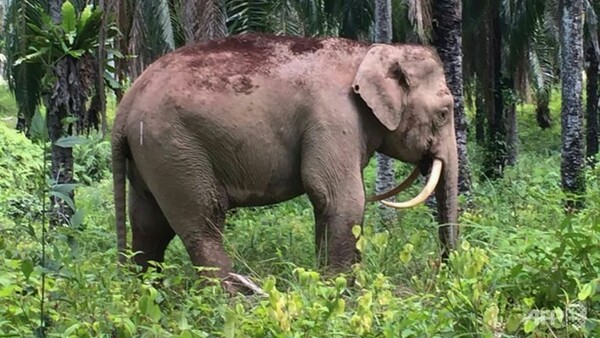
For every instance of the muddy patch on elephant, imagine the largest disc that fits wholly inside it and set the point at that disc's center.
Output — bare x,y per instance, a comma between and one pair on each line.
306,46
235,44
243,85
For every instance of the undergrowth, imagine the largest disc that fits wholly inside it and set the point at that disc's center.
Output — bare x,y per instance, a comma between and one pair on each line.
523,268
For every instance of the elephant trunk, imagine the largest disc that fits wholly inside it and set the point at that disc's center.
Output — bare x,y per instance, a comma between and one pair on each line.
447,202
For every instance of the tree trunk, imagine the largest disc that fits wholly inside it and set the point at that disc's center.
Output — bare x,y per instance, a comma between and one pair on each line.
512,139
100,96
592,63
495,154
385,165
22,124
447,18
61,169
542,110
479,116
572,162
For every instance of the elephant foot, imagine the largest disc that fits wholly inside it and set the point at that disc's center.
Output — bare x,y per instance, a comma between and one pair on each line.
235,283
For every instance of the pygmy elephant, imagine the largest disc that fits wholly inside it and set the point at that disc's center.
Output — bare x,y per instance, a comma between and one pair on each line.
252,120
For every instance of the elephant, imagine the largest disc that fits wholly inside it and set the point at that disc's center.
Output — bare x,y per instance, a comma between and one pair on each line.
258,119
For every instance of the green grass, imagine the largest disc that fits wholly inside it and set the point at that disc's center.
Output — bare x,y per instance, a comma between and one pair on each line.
519,255
8,106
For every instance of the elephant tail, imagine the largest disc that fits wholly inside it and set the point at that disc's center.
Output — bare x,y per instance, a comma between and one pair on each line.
119,151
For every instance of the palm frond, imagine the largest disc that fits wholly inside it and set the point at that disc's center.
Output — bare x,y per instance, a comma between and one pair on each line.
247,16
313,17
212,20
164,25
542,61
176,12
285,18
419,14
591,23
151,34
357,19
24,79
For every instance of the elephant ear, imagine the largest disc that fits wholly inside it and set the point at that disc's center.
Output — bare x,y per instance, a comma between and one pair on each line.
383,84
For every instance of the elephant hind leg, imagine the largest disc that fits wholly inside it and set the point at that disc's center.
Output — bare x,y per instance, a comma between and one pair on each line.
195,204
150,229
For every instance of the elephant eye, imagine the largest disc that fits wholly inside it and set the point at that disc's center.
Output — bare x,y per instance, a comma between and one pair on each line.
440,119
444,114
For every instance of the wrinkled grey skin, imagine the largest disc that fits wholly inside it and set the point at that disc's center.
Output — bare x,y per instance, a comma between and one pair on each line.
255,120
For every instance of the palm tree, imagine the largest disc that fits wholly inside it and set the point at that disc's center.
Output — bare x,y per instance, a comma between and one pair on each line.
510,50
447,15
592,67
385,165
591,70
62,98
53,60
203,20
572,162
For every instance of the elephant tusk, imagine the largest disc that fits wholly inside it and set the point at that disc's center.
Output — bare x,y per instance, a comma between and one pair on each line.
434,178
400,188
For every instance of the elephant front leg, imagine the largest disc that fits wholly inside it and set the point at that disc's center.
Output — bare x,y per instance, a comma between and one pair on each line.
334,241
338,207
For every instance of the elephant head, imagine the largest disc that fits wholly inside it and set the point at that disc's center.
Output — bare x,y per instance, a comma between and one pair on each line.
405,87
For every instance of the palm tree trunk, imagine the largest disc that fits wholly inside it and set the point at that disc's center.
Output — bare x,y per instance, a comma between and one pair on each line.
542,110
385,165
21,123
479,115
61,169
592,63
495,158
512,140
572,164
447,18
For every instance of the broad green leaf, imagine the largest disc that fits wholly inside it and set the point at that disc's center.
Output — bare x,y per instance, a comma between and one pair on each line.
585,292
490,316
65,188
512,323
356,230
559,314
77,218
64,197
27,268
76,53
69,18
85,15
38,129
530,325
37,55
111,81
70,141
71,329
230,324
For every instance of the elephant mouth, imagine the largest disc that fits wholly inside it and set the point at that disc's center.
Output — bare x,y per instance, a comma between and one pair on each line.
436,169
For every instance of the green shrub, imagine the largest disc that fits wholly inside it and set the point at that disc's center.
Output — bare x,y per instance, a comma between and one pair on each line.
20,174
92,162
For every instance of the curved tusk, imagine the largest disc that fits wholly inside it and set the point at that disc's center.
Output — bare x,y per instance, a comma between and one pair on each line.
436,171
400,188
